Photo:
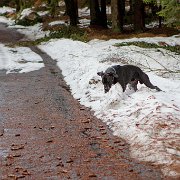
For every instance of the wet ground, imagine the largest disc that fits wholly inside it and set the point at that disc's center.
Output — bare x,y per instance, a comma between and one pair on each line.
46,134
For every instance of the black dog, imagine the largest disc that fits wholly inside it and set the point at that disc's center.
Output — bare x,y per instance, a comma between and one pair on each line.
124,75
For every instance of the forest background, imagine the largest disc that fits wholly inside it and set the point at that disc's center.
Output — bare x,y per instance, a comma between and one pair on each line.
123,12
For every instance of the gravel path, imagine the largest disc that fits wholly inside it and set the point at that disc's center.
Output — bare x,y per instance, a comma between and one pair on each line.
46,134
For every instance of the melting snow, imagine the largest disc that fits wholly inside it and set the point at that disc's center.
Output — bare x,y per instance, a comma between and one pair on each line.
20,59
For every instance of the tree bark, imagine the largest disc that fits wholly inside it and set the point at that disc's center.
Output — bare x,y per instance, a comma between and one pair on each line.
139,16
160,18
98,15
18,7
117,15
103,14
72,11
95,13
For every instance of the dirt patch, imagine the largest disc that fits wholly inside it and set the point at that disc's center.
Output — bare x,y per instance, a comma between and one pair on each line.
9,36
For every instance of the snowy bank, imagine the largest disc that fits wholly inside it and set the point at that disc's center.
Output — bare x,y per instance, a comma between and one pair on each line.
147,119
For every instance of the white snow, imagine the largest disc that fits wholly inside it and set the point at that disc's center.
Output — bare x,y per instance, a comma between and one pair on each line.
25,12
31,32
20,59
43,13
57,23
147,119
5,20
5,9
84,12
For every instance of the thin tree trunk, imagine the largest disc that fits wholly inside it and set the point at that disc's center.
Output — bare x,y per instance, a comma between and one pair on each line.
117,20
18,7
139,16
121,13
95,13
76,8
72,11
160,18
103,14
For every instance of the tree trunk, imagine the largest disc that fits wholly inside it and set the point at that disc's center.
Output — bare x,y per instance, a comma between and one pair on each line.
117,15
72,11
18,7
103,14
53,5
121,13
160,17
95,13
139,16
98,16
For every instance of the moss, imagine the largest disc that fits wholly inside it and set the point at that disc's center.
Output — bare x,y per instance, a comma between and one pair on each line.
175,49
27,21
70,32
66,32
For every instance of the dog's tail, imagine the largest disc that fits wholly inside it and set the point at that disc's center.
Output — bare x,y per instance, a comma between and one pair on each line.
145,79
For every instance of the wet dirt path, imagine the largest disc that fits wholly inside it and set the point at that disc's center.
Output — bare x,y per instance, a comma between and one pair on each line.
46,134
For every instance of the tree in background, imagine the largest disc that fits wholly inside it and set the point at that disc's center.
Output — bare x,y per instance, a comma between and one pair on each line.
103,13
139,15
22,4
53,5
72,11
171,12
166,9
117,14
98,16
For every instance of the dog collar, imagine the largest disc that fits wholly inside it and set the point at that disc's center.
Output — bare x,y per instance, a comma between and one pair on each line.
113,69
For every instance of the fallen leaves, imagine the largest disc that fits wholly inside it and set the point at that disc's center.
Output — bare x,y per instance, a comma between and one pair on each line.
15,147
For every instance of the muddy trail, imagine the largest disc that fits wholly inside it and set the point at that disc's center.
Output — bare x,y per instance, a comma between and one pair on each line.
46,134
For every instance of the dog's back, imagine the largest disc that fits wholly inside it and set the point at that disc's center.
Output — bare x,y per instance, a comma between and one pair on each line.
128,72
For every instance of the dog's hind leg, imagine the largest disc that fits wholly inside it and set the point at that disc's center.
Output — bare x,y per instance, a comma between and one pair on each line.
133,84
145,79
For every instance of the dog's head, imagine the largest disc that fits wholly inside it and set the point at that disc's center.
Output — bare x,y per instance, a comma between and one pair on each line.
107,79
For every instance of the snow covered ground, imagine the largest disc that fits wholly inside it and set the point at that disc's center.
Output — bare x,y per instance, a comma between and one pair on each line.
147,119
20,59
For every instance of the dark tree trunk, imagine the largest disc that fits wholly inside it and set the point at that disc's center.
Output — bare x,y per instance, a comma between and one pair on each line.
103,13
98,15
139,16
76,8
72,11
18,7
117,13
121,13
49,2
95,13
160,18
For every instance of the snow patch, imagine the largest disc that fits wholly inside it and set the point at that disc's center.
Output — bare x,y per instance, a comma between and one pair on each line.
147,119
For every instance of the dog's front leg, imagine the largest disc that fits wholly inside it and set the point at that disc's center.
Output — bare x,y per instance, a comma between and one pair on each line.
123,87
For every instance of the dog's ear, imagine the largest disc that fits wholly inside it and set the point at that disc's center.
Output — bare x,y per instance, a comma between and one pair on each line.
100,73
